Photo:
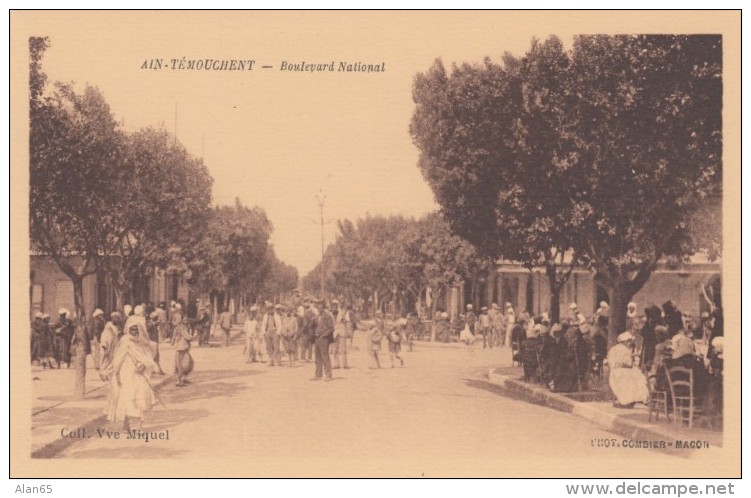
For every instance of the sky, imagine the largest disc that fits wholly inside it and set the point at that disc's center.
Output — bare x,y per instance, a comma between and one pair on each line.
277,139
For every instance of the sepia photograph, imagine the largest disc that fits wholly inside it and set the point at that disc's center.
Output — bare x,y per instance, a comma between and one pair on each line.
375,244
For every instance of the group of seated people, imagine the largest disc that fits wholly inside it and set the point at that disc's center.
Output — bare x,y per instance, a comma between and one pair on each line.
560,356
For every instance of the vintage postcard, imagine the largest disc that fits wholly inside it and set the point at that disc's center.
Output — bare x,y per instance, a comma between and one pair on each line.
375,244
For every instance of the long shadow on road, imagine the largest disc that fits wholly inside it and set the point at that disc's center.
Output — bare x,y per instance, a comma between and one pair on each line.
495,389
204,385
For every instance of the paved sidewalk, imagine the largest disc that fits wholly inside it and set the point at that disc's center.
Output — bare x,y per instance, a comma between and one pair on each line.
633,426
58,419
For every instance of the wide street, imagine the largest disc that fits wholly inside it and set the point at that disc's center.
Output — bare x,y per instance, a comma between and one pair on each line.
435,416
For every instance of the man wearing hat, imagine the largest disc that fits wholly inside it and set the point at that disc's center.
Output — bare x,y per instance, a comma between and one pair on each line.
63,333
271,327
485,328
442,327
153,332
497,325
203,325
290,334
251,327
324,335
225,323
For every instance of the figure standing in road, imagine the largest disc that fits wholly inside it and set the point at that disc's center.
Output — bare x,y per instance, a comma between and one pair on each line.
486,330
251,327
290,333
225,322
343,333
375,338
203,325
324,336
108,341
183,359
395,343
95,333
63,333
271,326
307,335
153,331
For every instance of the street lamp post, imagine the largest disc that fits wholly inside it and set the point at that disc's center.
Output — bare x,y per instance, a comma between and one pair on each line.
321,198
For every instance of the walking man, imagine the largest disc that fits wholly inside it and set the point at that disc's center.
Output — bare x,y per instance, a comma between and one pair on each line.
251,334
290,335
225,322
307,333
271,326
343,333
324,335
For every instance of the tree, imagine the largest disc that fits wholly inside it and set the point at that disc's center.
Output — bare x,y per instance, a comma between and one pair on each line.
445,260
162,207
74,148
281,279
494,145
234,254
649,125
394,260
603,154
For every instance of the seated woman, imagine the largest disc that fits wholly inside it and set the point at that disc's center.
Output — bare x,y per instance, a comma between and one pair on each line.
628,383
684,355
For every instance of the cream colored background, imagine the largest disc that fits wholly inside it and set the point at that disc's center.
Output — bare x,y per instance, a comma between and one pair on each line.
402,40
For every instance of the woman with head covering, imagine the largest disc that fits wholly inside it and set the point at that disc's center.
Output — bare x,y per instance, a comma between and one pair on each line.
108,343
131,395
628,383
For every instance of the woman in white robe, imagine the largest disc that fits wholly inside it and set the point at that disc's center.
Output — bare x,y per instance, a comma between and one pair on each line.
628,383
131,395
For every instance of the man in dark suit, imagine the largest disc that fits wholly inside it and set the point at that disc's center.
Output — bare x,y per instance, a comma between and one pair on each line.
324,335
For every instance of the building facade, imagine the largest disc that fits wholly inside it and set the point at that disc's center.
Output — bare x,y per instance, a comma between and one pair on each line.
50,289
529,290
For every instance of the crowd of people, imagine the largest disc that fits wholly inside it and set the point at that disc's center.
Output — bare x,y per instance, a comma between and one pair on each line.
124,349
566,356
312,328
563,356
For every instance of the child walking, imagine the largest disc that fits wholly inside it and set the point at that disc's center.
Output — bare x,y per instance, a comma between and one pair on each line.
395,344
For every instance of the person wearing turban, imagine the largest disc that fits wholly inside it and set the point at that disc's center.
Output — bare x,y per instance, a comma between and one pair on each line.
628,383
131,394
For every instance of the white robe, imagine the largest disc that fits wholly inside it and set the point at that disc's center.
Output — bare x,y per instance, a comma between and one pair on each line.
628,383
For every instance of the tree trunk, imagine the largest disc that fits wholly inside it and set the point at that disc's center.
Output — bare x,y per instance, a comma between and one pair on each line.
619,298
79,389
555,294
118,298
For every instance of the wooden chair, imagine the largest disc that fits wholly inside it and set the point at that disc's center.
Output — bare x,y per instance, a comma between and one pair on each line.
658,403
685,407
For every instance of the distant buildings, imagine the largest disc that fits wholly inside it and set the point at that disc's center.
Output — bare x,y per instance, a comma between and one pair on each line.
51,289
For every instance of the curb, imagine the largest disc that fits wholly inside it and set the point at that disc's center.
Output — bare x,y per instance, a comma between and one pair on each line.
49,450
628,429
